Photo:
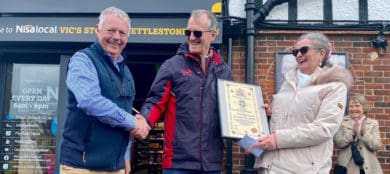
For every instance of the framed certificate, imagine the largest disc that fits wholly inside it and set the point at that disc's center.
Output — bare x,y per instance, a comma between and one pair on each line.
240,110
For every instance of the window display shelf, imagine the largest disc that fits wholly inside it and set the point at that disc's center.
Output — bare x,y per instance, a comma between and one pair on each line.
148,153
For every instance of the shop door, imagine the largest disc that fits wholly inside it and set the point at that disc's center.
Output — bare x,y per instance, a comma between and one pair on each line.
29,119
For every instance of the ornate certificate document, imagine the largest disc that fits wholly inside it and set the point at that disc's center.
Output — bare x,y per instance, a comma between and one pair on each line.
240,110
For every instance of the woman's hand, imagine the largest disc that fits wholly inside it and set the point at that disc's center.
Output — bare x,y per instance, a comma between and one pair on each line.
355,127
363,128
267,143
267,108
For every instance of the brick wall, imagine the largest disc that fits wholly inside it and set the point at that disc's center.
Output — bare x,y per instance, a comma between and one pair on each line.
371,75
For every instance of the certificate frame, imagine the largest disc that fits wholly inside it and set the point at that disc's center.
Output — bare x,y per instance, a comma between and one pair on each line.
240,110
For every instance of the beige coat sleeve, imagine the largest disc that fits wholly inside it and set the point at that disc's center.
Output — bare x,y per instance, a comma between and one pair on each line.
371,137
326,123
344,136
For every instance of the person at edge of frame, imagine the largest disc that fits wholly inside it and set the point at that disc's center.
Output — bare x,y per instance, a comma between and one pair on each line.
306,112
364,132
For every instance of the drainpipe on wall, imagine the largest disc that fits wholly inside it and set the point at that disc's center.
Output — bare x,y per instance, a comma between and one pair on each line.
254,16
250,7
264,10
229,142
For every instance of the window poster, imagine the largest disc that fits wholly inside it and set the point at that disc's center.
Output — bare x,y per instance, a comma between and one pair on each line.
28,127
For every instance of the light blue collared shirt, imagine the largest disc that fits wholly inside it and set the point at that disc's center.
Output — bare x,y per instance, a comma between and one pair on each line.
82,80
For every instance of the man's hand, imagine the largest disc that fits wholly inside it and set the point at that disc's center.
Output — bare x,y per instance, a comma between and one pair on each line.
127,167
141,129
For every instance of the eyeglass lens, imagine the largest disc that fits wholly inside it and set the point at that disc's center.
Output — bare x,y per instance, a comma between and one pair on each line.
197,34
303,50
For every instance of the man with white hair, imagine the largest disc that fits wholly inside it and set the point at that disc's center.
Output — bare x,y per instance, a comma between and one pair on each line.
100,97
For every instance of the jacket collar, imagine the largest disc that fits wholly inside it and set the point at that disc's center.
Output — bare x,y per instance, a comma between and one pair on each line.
184,50
214,56
328,74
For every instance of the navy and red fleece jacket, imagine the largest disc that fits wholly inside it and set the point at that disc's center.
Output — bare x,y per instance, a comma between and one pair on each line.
187,101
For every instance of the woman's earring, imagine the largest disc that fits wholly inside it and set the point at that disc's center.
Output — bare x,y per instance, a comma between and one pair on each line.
320,63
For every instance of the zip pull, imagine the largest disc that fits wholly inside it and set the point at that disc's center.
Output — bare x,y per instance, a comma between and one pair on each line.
84,161
123,90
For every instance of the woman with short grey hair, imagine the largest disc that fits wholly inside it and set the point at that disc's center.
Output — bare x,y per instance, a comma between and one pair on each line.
363,132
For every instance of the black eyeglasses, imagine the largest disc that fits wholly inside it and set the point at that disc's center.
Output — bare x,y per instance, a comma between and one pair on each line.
197,33
303,50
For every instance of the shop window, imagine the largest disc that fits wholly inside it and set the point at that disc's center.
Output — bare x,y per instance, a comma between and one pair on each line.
29,122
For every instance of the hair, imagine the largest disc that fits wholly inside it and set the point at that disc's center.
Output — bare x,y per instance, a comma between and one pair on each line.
361,100
319,40
212,23
113,11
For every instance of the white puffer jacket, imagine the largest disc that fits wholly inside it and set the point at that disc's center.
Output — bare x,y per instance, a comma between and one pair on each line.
305,121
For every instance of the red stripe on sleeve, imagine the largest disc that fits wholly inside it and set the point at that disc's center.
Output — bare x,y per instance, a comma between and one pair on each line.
159,108
169,132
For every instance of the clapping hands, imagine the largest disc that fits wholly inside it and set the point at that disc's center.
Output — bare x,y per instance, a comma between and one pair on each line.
356,127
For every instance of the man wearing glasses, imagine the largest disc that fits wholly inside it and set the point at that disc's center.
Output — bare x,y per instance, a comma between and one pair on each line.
184,94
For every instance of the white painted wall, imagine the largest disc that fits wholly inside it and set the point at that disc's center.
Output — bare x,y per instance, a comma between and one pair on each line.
379,10
310,10
237,8
313,10
345,9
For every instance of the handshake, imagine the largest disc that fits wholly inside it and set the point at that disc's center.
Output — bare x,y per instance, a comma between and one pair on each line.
141,129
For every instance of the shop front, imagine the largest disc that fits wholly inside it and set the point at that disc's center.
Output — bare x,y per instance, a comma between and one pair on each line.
36,42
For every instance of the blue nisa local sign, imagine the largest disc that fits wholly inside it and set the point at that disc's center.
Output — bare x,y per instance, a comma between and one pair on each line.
35,29
82,29
95,6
